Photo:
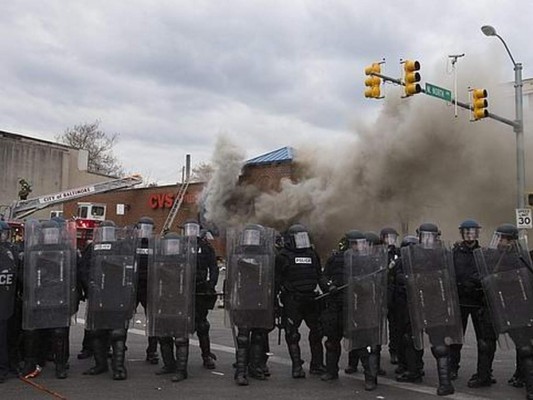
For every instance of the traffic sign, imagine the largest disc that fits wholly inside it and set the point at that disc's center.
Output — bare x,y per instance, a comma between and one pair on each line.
439,92
523,218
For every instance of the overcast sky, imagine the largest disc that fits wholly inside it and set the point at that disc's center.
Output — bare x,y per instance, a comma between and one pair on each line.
169,76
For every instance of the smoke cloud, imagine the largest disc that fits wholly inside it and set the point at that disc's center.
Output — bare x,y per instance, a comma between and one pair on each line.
416,163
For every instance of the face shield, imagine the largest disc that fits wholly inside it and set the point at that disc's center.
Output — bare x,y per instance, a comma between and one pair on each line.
359,245
170,247
428,240
390,239
106,234
251,237
499,241
470,234
51,235
144,231
191,229
301,240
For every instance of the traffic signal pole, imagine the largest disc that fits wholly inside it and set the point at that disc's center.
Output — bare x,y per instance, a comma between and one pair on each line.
466,106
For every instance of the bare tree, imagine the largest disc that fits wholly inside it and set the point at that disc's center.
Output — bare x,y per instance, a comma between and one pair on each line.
98,144
202,172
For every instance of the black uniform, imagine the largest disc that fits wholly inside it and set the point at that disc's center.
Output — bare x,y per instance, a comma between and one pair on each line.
8,287
472,303
298,272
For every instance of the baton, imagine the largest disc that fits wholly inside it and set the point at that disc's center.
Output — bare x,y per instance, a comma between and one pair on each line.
329,293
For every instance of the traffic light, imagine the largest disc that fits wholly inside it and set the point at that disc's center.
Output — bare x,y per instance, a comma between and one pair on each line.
479,104
372,82
411,77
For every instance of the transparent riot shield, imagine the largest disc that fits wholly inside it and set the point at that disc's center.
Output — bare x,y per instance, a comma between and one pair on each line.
171,286
366,297
250,277
112,284
432,295
8,275
49,275
508,285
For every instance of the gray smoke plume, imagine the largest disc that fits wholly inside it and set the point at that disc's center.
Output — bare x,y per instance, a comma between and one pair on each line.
417,163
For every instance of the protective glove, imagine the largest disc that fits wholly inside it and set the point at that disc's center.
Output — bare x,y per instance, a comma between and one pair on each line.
332,289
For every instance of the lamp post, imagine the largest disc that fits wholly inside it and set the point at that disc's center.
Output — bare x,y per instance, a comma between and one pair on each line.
518,126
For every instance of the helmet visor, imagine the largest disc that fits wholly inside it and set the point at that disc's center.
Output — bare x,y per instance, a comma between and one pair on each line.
191,229
470,234
499,241
251,237
390,239
106,234
428,240
144,231
170,247
301,240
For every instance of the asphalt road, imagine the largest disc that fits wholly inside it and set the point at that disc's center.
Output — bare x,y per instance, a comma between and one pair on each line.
142,383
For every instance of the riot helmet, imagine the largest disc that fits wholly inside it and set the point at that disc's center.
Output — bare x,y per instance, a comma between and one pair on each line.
356,241
171,244
5,231
106,232
469,230
51,234
297,237
503,236
144,228
372,238
428,235
191,228
252,235
408,240
389,236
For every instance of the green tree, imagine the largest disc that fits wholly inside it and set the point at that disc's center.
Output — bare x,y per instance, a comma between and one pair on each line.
98,144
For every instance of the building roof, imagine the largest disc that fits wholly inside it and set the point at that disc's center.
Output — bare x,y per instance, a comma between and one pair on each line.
285,154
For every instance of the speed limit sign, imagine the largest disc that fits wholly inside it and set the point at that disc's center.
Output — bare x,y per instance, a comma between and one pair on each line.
523,218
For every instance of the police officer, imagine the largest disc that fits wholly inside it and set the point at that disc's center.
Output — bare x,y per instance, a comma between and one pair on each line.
8,281
332,317
414,364
144,230
298,272
472,303
206,281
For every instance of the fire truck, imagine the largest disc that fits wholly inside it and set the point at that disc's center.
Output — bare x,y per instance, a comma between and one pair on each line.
89,214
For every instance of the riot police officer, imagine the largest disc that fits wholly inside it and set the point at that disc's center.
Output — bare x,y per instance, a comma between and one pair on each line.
8,283
298,272
144,229
206,281
472,303
250,304
432,299
111,297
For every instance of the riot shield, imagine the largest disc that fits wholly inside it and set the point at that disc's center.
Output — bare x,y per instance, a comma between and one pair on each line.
49,275
366,297
171,286
508,285
112,284
432,295
250,277
8,274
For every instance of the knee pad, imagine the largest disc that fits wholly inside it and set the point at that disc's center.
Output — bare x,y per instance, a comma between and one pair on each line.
118,335
440,351
525,351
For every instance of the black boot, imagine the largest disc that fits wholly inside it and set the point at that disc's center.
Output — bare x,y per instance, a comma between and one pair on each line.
255,364
381,371
151,351
241,356
167,354
99,346
207,357
317,367
61,350
182,358
454,360
485,356
353,360
294,352
264,355
370,363
118,360
443,371
333,353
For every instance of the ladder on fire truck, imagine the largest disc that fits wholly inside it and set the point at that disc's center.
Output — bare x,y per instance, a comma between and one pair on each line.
178,200
22,208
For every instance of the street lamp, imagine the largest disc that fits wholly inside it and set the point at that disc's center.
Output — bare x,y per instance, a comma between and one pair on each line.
518,126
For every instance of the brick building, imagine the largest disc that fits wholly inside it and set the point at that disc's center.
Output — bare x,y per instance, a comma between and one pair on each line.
125,207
